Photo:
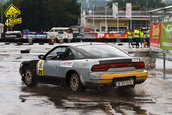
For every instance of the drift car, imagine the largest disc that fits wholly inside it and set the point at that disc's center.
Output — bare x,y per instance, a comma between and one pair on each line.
84,65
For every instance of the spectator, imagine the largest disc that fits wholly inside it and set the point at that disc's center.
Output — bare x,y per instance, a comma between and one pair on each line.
130,38
141,37
148,37
136,36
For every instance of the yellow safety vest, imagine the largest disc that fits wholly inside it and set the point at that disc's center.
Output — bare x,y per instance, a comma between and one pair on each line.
129,35
141,34
148,33
136,33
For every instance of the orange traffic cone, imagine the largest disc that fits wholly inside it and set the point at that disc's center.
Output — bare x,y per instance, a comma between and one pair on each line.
144,43
55,40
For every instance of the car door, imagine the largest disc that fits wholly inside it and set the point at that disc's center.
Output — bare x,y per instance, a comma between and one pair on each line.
70,61
52,61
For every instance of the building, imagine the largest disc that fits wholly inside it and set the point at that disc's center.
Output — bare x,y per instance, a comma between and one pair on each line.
1,29
168,2
164,14
101,19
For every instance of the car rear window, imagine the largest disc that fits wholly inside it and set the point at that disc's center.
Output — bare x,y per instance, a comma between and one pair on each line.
103,51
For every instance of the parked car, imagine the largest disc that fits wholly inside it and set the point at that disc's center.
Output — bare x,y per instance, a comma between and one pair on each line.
84,65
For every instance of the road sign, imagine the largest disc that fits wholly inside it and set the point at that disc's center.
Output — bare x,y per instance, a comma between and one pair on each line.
12,12
10,22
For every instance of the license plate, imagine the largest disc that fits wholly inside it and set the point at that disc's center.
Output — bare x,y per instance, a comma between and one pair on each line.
125,82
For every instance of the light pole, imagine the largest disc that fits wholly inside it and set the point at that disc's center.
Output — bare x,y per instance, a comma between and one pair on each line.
106,26
146,15
105,19
93,17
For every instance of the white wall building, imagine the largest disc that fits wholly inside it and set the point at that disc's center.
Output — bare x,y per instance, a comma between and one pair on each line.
165,14
1,29
100,18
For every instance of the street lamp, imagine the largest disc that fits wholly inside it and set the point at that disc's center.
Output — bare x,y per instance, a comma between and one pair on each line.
146,15
106,28
105,19
93,17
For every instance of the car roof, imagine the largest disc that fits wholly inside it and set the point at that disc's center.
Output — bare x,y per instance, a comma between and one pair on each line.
81,44
60,28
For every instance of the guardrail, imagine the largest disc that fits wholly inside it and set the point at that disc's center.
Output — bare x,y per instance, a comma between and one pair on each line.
15,40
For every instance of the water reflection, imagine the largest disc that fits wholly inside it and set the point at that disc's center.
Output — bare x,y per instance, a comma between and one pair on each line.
109,102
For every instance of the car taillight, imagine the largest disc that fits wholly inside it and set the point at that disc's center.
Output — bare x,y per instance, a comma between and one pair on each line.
105,67
99,68
139,65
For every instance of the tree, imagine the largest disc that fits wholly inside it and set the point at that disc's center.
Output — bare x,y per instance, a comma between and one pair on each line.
45,14
143,3
137,7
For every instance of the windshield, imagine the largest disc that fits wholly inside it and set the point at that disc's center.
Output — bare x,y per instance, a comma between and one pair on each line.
103,51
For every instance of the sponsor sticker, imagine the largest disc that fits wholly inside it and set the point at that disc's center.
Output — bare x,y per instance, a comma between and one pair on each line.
40,67
135,60
66,64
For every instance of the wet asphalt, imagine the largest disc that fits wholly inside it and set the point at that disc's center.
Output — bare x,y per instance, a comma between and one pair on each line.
153,97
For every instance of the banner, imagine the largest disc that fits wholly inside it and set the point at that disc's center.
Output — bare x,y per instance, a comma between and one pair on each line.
90,35
155,35
13,34
87,30
121,23
104,35
128,10
115,35
166,36
35,35
115,9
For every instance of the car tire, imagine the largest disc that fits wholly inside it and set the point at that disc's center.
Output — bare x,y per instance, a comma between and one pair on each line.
29,79
75,83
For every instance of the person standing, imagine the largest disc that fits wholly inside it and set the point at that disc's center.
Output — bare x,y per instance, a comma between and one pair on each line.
130,38
141,37
148,37
136,36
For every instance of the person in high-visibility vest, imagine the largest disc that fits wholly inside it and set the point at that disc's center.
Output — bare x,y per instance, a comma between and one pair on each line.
148,37
136,36
130,38
141,37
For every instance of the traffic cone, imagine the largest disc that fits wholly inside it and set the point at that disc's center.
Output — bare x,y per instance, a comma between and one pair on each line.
54,40
48,40
144,43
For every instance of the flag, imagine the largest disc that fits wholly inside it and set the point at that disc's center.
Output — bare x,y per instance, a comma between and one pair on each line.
115,9
128,10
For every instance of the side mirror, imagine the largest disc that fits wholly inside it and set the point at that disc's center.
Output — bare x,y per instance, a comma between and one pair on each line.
41,57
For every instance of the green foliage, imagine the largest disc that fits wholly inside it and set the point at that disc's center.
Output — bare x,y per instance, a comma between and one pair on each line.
137,7
142,3
96,3
40,15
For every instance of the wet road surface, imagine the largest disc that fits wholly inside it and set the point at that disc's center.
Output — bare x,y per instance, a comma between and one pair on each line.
153,97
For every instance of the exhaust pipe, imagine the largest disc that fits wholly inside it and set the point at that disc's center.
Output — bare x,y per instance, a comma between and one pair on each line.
101,87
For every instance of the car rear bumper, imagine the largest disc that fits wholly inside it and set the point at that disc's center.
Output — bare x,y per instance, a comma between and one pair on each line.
107,78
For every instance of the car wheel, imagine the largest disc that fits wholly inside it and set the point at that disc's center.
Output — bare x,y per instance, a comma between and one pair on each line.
29,79
75,83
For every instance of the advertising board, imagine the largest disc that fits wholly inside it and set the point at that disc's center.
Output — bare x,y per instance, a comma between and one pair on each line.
155,35
166,36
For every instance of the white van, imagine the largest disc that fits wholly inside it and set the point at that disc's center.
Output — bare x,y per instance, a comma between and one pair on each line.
58,32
